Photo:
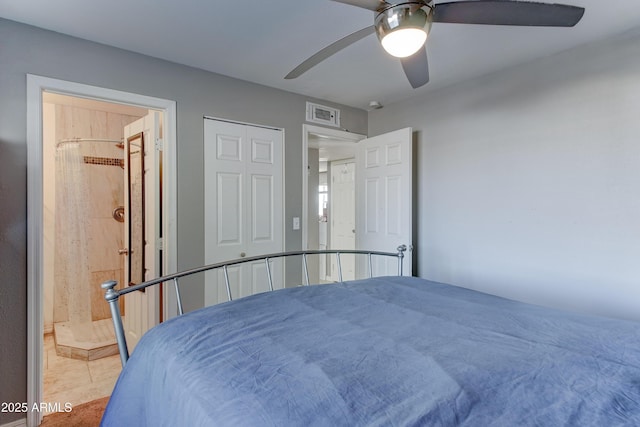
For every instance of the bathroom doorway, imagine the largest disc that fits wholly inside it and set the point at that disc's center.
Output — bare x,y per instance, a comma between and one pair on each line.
76,147
84,241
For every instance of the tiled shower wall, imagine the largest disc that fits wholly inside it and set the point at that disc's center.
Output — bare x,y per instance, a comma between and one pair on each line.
105,181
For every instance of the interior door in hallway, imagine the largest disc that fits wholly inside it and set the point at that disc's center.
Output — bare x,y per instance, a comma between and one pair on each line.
243,193
342,215
384,199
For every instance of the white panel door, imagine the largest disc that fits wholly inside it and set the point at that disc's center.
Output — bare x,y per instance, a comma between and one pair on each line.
343,217
384,199
243,205
142,224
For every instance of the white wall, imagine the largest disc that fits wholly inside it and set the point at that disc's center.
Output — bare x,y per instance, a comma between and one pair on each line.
529,179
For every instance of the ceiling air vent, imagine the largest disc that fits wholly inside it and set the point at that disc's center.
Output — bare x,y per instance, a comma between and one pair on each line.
324,115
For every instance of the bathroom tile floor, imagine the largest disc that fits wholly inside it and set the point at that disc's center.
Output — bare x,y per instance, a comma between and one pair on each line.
76,381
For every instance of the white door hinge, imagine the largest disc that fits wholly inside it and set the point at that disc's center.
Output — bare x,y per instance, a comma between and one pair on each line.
159,144
160,244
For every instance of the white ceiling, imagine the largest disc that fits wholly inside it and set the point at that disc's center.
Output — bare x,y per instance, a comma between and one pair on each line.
262,40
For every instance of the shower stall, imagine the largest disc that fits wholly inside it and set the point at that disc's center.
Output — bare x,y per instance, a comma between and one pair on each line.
88,234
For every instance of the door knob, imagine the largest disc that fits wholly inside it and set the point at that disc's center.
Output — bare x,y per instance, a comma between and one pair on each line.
124,251
242,254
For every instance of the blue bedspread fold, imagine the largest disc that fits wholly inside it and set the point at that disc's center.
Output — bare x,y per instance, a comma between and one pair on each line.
397,351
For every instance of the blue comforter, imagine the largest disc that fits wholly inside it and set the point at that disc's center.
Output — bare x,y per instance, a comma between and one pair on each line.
387,351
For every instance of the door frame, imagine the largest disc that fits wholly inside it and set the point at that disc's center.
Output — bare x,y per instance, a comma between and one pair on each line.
36,85
348,137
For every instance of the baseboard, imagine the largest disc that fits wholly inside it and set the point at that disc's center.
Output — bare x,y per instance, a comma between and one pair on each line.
18,423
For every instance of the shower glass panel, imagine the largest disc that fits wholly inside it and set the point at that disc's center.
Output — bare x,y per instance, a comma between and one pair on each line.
135,174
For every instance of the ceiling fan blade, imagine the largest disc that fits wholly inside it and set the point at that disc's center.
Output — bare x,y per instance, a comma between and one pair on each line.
416,67
333,48
502,12
374,5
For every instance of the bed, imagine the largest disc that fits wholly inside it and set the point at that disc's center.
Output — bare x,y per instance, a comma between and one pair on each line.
381,351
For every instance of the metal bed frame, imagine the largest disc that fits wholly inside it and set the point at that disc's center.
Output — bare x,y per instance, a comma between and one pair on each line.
112,295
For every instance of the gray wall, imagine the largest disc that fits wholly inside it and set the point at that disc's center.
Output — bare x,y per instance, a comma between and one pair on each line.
25,49
529,179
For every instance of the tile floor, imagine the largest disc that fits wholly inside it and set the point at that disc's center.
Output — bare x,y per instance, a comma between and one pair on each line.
77,381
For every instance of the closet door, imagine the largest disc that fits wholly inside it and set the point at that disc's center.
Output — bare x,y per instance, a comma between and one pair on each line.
243,205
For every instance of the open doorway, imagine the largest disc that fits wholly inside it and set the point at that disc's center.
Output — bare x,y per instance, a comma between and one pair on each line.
329,198
383,195
75,142
83,241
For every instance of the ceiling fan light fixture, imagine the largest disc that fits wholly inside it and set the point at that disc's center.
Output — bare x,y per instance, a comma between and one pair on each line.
403,29
404,42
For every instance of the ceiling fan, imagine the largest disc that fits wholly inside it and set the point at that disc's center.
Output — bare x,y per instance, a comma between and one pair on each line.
402,28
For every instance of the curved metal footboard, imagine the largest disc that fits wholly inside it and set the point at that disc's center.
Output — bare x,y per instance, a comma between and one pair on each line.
112,295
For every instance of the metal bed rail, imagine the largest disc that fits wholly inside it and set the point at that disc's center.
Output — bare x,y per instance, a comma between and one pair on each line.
112,295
